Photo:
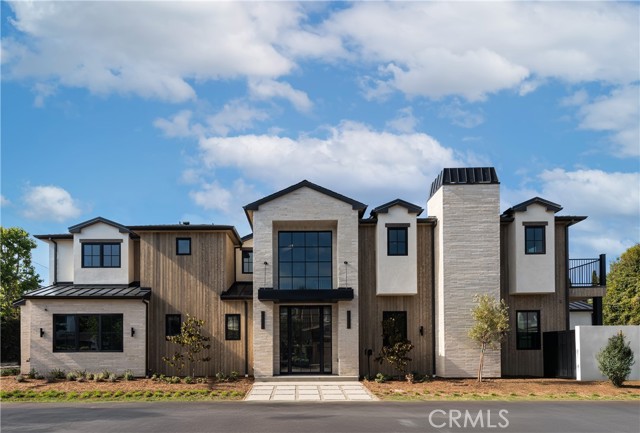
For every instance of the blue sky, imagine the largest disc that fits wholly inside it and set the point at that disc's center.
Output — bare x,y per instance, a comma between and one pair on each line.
150,113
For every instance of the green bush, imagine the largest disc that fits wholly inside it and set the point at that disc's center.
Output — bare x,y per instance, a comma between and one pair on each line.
615,360
57,373
12,371
113,377
234,376
128,375
221,377
33,373
19,378
381,378
174,379
188,380
71,376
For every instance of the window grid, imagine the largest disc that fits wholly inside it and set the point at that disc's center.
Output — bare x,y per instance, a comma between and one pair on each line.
247,262
305,260
100,255
88,333
172,324
528,330
534,239
232,327
397,241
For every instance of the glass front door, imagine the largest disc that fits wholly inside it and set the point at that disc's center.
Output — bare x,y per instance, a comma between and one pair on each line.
305,340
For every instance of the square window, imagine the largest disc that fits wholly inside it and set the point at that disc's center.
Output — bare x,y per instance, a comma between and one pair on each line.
247,262
172,324
528,330
534,239
183,246
397,241
232,327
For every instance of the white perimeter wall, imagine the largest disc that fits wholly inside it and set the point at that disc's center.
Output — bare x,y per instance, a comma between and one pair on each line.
591,339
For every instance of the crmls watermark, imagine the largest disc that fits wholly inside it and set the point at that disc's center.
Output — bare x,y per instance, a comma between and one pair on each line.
466,419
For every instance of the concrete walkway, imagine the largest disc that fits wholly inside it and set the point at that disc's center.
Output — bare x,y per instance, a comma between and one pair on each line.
309,391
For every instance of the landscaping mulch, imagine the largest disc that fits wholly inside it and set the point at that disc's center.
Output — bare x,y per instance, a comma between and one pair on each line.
503,389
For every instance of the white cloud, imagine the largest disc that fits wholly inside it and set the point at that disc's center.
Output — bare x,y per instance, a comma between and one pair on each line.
461,117
235,116
214,196
576,99
405,121
50,203
268,89
179,125
618,113
4,201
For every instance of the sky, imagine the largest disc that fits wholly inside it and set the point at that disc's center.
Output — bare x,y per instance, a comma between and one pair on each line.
161,112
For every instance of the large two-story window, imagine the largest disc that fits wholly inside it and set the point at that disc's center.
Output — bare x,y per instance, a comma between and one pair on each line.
304,260
534,242
528,330
100,255
247,262
87,333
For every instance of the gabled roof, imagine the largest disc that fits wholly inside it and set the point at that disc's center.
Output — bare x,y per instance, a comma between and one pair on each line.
536,200
410,207
356,205
465,175
78,227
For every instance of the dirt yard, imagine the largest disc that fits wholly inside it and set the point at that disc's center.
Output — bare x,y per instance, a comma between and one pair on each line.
511,389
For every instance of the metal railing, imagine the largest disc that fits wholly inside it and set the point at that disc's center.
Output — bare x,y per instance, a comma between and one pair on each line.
588,272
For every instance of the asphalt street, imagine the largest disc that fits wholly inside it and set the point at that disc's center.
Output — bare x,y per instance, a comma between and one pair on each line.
350,417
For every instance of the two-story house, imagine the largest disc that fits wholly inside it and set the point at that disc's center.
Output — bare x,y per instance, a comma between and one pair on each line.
313,288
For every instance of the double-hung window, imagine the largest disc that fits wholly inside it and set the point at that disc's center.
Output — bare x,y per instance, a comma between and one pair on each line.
87,333
534,242
397,241
100,255
247,262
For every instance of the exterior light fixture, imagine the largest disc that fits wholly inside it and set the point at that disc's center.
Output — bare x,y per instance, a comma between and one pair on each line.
133,332
41,332
421,330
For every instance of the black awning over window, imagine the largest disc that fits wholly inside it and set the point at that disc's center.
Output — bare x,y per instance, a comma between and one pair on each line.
306,295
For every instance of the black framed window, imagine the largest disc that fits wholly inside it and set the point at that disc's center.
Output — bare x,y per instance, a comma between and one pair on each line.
183,246
232,327
534,240
88,333
100,255
397,241
305,260
394,327
528,330
172,324
247,262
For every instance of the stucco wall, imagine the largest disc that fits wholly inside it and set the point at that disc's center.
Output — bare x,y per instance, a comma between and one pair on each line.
396,275
591,339
36,314
532,273
305,209
102,232
579,318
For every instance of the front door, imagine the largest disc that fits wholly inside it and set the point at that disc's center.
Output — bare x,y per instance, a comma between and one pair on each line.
305,340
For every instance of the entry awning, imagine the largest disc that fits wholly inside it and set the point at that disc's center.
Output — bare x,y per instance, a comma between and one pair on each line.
305,295
87,291
239,291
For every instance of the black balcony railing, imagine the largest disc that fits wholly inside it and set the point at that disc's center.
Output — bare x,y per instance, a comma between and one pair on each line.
588,272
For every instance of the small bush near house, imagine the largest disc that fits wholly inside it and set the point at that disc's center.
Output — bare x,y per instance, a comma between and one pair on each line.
113,377
174,379
88,376
381,378
188,380
71,376
49,378
10,371
19,378
106,373
39,376
615,360
32,373
99,377
234,376
57,373
221,377
128,375
201,380
81,379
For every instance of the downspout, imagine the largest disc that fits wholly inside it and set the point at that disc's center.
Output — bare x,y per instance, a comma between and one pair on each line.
55,261
146,333
433,299
246,339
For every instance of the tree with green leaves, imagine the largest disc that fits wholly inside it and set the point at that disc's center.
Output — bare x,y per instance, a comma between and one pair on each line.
18,274
396,348
615,360
491,322
192,344
621,304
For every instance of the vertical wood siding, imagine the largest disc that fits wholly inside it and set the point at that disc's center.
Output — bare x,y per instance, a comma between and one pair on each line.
192,285
418,307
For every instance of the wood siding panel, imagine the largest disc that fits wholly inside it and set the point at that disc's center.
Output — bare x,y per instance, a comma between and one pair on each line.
192,284
552,307
418,307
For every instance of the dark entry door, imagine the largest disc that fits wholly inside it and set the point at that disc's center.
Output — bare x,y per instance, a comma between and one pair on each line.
305,340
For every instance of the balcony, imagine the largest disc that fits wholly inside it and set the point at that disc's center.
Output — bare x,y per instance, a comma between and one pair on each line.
587,277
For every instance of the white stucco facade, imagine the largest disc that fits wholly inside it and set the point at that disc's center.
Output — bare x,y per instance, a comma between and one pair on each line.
64,261
532,273
396,275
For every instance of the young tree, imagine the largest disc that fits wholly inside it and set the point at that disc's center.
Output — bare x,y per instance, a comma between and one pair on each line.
17,272
192,342
621,304
491,322
615,360
396,347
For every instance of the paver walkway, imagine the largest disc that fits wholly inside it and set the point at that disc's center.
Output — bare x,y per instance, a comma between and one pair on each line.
309,391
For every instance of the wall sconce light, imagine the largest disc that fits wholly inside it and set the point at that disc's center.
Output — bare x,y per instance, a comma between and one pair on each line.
421,330
41,332
133,332
263,319
265,275
348,319
346,274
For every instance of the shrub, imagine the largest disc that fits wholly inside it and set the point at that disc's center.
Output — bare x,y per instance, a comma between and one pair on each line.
234,376
88,376
174,379
188,380
49,378
221,377
113,377
201,380
128,375
615,360
33,373
380,378
39,376
99,377
57,373
13,371
81,379
106,373
19,378
71,376
154,377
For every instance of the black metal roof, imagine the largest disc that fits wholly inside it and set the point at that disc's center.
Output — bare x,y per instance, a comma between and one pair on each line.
240,290
521,207
465,175
580,306
89,291
54,236
356,205
411,208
